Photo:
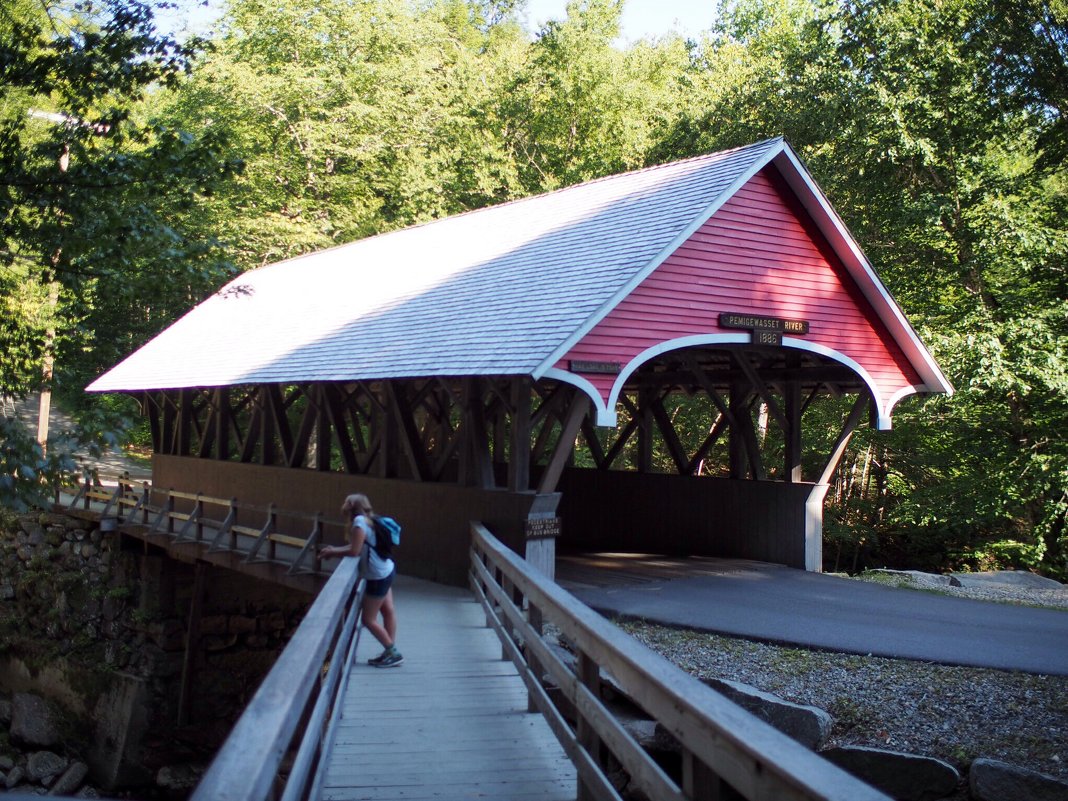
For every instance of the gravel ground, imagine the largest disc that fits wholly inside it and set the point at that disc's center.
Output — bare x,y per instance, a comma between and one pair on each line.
953,713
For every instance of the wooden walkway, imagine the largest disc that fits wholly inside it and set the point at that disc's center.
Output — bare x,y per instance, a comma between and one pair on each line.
451,722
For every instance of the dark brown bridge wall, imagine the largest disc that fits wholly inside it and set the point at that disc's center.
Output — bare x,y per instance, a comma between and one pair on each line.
435,517
614,510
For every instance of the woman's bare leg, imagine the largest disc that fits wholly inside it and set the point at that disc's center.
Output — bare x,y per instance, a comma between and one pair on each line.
371,608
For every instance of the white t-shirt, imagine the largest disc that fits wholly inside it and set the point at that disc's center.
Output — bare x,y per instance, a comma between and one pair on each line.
372,566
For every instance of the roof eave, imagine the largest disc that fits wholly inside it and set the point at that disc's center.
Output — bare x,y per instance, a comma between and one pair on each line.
871,286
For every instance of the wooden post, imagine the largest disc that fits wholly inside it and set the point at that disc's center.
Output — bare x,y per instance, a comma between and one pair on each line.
519,450
192,644
222,423
185,421
267,441
537,622
323,442
739,461
152,409
589,674
390,448
482,459
792,434
698,781
169,414
645,429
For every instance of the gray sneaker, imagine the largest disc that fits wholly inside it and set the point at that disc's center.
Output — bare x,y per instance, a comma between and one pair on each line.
376,661
392,658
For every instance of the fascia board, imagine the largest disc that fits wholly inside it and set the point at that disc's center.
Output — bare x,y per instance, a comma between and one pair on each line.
775,147
849,251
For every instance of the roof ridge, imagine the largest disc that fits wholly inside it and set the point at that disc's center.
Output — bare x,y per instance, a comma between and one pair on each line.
764,143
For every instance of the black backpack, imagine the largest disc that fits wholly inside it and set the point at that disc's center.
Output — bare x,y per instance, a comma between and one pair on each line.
387,534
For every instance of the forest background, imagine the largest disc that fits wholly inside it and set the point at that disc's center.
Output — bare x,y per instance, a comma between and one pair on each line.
138,173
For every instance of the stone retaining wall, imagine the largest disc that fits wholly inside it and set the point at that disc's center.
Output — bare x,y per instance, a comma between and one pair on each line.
96,624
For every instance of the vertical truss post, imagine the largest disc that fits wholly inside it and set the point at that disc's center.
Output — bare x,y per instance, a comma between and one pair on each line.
792,434
645,429
519,444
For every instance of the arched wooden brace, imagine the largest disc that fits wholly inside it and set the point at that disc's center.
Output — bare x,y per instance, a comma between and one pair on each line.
781,383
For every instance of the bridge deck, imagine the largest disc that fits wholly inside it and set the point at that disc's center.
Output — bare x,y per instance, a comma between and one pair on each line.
451,722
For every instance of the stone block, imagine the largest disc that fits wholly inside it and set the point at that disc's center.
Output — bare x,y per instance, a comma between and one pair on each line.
992,780
274,621
179,779
214,624
71,779
809,725
905,777
32,529
242,624
44,765
122,715
32,721
14,776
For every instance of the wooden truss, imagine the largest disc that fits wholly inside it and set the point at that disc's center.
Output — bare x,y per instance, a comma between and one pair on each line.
512,433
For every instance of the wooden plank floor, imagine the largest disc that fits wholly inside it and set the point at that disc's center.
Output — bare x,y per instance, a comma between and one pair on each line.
451,722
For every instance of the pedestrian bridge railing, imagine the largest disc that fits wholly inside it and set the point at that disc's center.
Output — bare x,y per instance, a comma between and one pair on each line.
218,524
720,742
281,744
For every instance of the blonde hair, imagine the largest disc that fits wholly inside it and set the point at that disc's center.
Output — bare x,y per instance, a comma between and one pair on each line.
357,504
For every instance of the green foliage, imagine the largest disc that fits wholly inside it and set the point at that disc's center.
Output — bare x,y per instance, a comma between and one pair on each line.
92,190
351,118
29,475
938,128
939,137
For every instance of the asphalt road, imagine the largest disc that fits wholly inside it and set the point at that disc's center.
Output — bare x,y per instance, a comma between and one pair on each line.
783,605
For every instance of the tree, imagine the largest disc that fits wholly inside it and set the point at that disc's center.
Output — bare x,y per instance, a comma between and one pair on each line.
580,107
352,118
91,189
936,129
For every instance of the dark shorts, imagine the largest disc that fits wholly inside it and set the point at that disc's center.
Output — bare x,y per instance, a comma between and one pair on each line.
377,588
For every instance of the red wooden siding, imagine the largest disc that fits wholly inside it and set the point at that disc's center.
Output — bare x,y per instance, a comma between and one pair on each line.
757,255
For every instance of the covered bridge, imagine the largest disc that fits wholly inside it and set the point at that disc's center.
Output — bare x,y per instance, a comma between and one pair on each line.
531,365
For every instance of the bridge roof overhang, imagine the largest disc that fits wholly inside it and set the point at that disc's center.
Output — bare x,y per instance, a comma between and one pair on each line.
583,285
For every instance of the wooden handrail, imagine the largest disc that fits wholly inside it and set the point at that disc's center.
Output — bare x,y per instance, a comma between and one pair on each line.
719,740
200,525
246,767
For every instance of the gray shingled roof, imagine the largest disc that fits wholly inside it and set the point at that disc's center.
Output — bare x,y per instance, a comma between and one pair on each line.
505,290
489,292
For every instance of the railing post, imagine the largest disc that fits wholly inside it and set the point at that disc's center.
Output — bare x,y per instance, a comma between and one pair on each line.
170,511
509,590
200,518
698,780
310,544
143,503
588,673
233,534
534,618
192,521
